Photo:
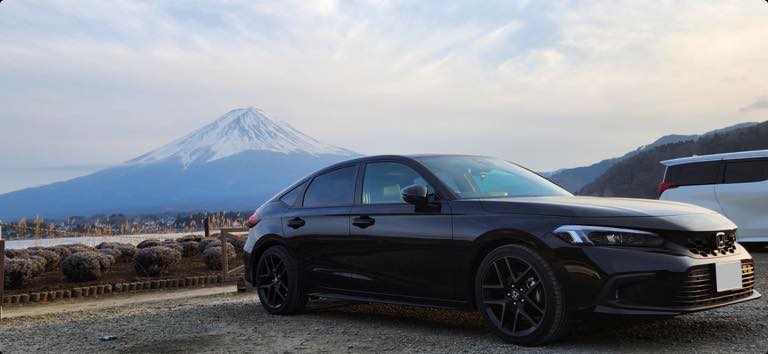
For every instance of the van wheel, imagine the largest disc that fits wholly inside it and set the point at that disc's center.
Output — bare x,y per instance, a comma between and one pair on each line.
756,246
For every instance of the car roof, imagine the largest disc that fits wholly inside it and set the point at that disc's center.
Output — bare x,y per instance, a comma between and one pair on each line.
411,157
717,157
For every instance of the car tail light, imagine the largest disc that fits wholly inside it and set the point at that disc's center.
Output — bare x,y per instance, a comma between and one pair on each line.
666,185
252,221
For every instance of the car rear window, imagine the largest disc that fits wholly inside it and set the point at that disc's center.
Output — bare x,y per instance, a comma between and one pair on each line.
335,188
293,195
746,171
710,172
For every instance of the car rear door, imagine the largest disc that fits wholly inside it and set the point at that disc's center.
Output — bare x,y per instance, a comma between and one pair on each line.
744,197
318,227
399,249
694,183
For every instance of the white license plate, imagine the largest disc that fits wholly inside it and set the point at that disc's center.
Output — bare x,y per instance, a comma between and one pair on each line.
728,276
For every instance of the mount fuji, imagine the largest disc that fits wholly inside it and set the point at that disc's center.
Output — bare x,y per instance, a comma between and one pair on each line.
234,163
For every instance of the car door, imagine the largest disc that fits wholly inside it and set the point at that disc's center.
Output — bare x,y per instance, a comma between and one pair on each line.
694,183
743,196
399,249
317,227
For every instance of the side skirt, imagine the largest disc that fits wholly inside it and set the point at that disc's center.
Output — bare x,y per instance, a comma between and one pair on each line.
431,303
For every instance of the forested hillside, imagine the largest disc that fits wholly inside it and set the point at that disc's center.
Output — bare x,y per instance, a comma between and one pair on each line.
574,179
639,175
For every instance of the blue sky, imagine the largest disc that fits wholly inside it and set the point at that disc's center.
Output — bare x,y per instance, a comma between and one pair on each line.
549,84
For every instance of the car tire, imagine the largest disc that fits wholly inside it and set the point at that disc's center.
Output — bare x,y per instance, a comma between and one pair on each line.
278,282
520,296
755,246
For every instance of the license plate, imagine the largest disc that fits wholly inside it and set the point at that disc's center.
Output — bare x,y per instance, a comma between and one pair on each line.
728,276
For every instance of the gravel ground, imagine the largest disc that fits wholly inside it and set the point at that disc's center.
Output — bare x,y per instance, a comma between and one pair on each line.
236,323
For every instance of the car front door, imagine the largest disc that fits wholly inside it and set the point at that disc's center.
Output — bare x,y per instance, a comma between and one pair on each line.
317,228
399,249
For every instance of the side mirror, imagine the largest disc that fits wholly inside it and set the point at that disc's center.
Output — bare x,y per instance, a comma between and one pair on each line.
415,194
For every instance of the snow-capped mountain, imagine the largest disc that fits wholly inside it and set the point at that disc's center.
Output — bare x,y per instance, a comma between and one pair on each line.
237,131
234,163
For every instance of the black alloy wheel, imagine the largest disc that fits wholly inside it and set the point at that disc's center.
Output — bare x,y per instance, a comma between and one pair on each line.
278,283
520,297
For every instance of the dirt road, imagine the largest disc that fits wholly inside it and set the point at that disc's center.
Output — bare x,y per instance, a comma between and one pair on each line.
236,323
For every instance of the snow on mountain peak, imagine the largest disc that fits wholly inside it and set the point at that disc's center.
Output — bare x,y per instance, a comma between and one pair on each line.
239,130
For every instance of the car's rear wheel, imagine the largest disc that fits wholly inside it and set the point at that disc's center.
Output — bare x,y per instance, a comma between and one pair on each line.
278,281
520,297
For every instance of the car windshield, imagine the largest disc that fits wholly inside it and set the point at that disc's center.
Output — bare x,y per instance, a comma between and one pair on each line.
471,177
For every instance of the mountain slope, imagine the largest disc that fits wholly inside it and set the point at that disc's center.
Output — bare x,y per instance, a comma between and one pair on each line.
574,179
639,175
235,162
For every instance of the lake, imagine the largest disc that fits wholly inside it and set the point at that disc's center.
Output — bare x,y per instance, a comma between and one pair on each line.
92,241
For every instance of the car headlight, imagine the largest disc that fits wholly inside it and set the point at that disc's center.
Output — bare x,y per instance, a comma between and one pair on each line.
607,236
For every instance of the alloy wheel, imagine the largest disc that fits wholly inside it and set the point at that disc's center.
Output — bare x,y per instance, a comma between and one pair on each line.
513,296
272,275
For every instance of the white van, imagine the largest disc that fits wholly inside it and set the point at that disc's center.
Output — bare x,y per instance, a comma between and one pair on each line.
734,184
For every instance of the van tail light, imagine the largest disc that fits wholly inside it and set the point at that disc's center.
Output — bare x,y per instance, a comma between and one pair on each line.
666,185
252,221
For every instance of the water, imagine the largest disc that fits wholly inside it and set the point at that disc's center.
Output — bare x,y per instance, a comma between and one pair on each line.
92,241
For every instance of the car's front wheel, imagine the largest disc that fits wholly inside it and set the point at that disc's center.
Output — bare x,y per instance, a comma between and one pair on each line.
520,297
278,281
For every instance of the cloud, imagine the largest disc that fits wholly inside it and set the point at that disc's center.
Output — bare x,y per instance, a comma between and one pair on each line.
547,84
760,103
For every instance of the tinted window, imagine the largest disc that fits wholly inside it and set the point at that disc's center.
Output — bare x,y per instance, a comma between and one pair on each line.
384,180
335,188
746,171
486,177
291,197
695,173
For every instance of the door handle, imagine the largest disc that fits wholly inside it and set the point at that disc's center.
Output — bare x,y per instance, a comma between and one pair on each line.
296,223
363,221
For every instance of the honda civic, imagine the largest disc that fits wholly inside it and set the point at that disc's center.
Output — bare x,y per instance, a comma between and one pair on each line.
482,234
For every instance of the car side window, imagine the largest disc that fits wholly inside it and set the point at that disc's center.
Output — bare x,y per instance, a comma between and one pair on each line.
293,195
383,181
697,173
746,171
335,188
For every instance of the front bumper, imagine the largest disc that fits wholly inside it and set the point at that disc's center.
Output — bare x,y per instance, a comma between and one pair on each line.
626,281
665,293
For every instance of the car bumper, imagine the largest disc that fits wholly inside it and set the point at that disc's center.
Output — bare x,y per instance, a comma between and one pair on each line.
618,309
625,281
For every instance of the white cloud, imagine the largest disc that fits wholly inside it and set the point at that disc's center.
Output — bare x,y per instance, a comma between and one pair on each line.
759,104
607,77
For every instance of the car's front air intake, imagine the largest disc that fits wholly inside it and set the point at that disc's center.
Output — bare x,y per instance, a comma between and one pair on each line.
699,290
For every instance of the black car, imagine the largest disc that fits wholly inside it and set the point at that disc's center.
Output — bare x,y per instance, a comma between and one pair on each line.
479,233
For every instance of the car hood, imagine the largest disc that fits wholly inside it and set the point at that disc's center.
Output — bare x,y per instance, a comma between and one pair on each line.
594,207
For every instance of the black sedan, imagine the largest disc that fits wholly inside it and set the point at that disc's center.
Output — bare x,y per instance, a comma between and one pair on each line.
479,233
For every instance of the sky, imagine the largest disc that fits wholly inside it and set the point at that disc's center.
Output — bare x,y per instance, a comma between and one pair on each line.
548,84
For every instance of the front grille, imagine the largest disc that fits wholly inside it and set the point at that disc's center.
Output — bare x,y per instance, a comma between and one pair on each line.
707,244
699,287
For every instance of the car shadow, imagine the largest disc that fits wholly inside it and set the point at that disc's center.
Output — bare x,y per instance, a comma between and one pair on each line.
597,333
